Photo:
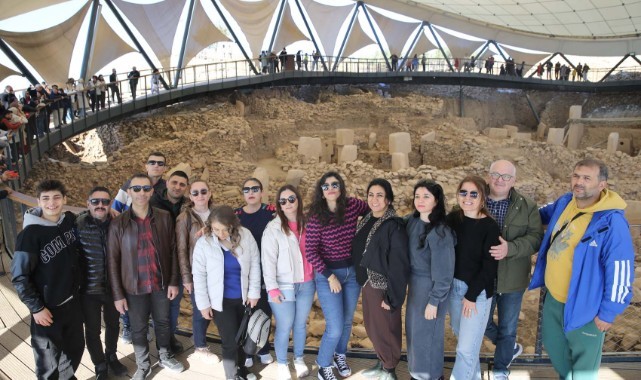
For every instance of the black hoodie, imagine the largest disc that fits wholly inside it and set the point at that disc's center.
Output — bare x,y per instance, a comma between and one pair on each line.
45,263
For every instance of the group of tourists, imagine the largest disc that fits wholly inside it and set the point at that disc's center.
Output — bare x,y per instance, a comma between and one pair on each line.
134,254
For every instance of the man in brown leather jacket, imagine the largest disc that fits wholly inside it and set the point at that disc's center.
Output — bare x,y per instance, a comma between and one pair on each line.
143,271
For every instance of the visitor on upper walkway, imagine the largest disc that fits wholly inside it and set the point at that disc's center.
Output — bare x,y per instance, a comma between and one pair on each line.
114,86
330,230
521,232
289,279
133,77
586,262
431,252
381,262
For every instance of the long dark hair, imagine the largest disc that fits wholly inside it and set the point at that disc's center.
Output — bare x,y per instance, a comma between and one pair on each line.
437,215
225,215
481,187
300,216
319,207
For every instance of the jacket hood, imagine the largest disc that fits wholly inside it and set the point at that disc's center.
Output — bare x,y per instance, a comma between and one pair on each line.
33,216
609,201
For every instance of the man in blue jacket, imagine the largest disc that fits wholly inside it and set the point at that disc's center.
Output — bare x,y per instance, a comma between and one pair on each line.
586,263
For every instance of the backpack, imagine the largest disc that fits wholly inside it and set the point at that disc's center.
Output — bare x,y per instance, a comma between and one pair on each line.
254,330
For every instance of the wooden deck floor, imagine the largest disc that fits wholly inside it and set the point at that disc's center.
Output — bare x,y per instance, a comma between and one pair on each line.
17,362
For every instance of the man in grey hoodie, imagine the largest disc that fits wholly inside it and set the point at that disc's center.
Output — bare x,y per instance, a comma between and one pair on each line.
47,278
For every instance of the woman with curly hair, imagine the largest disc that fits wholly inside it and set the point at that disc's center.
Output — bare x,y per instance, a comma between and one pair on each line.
289,278
431,247
330,229
226,272
474,274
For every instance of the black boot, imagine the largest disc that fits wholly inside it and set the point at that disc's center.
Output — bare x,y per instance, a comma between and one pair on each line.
175,346
101,371
115,366
375,371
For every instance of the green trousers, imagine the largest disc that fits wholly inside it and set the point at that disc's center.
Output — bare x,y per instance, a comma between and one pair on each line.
575,355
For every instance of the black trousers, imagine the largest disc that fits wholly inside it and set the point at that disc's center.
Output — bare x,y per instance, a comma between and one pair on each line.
140,306
93,307
58,348
228,323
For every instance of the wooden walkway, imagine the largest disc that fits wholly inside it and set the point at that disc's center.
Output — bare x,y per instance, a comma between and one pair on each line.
17,362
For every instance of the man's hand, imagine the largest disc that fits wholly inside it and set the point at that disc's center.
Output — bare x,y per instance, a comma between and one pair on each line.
208,313
172,292
113,213
499,251
188,288
43,317
121,306
601,325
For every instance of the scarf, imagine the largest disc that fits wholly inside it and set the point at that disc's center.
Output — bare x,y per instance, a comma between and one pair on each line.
377,280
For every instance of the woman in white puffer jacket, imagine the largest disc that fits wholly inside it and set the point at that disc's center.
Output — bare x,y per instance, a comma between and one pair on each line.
226,272
289,278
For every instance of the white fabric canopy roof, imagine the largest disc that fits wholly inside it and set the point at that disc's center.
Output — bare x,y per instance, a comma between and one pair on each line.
327,31
5,72
357,40
459,47
254,19
49,50
530,58
288,32
201,34
108,46
159,35
396,32
14,8
422,45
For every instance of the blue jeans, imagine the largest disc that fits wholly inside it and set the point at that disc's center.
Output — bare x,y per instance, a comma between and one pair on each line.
292,314
199,325
503,335
469,332
338,309
174,309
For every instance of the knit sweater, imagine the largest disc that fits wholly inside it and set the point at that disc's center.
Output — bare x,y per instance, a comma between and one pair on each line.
329,246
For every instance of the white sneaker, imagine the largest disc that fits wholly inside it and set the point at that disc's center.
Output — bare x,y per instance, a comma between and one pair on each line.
301,367
500,376
249,362
283,372
266,359
204,355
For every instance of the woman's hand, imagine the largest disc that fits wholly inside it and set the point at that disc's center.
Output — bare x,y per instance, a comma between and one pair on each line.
469,307
334,284
385,306
430,312
276,296
208,313
252,302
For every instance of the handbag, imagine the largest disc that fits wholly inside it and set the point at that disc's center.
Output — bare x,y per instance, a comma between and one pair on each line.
253,331
242,329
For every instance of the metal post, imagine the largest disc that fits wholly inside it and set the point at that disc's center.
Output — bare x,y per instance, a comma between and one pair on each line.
498,48
529,102
16,61
91,38
615,67
371,25
416,37
568,61
135,40
544,63
183,45
277,26
347,33
240,46
311,35
438,43
460,101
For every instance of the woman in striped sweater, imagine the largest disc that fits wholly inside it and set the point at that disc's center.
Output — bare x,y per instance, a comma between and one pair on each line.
330,230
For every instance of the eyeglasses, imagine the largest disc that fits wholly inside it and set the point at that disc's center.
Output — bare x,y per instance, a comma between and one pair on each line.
97,201
196,192
137,188
464,193
159,163
283,201
254,189
504,177
334,185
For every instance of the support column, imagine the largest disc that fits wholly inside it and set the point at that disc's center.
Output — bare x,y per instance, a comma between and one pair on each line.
16,61
277,26
240,46
617,65
416,37
349,31
371,25
440,47
91,38
183,45
311,35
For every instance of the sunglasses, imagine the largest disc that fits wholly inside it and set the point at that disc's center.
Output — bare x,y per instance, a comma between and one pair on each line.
254,189
283,201
97,201
504,177
464,193
334,185
201,192
137,188
159,163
